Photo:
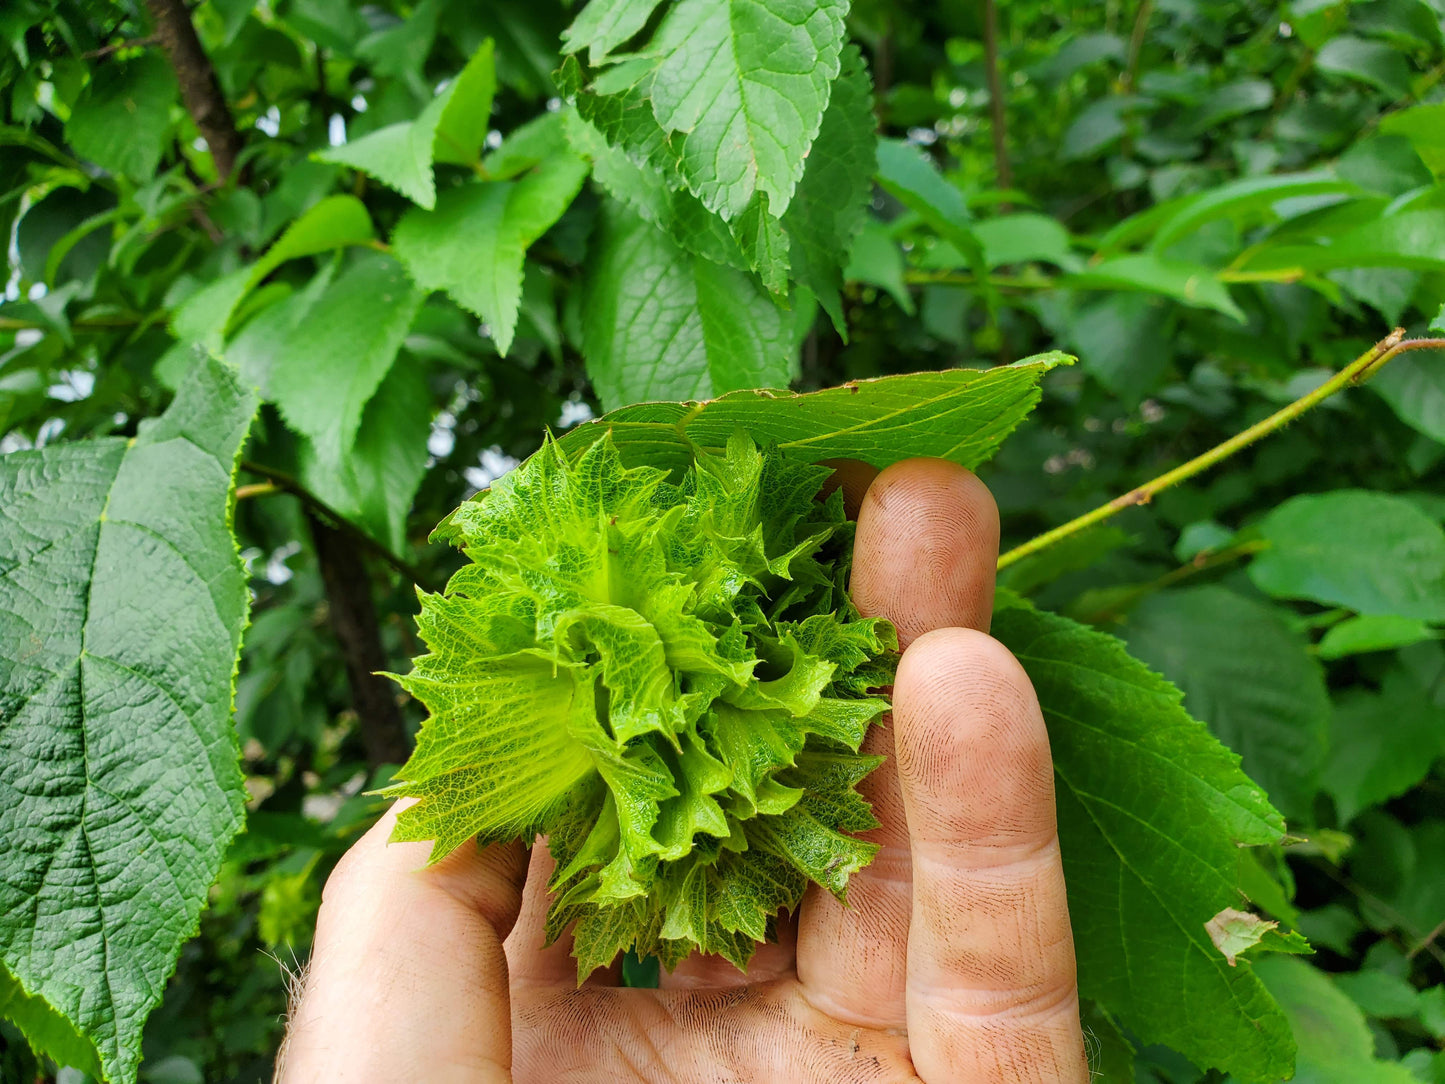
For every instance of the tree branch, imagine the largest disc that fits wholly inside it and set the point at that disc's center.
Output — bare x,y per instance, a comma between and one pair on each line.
199,87
995,95
283,482
1356,372
353,619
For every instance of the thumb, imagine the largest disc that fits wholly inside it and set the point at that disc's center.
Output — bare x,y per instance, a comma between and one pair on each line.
407,975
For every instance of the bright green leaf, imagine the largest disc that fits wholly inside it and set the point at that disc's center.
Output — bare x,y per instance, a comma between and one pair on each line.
1152,814
335,222
1243,672
603,25
466,118
399,155
1335,1045
1424,126
660,323
375,483
957,414
1373,552
831,202
329,364
119,783
474,243
1372,632
745,83
122,120
1191,284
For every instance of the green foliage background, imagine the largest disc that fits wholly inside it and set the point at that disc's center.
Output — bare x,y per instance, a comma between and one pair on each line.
443,233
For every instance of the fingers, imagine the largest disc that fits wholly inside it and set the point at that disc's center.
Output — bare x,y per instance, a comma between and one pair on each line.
407,969
924,557
926,548
991,983
764,1032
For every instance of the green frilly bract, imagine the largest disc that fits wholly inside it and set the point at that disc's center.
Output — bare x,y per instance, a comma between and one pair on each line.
665,677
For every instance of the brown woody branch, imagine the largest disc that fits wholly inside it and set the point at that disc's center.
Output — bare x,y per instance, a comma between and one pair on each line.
353,619
199,87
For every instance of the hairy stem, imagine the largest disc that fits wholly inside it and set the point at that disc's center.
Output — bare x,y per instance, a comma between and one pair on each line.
1362,368
199,88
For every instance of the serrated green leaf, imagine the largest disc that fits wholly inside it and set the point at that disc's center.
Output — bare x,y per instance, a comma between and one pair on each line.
474,243
374,484
1245,673
330,364
672,209
744,83
335,222
48,1032
661,323
119,783
123,117
1152,813
1373,552
399,155
603,25
466,118
452,128
831,202
958,414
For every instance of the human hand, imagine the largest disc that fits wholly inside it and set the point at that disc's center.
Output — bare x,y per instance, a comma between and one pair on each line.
953,960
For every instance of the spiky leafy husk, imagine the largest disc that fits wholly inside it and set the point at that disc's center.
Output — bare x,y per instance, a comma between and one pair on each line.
668,679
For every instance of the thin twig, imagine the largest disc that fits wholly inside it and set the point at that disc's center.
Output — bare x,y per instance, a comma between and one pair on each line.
284,482
1136,44
1205,561
1427,941
115,47
1361,369
997,114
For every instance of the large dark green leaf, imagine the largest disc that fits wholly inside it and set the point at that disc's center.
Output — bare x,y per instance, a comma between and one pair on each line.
123,598
1372,552
1245,673
1153,813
